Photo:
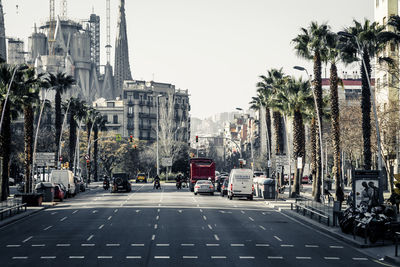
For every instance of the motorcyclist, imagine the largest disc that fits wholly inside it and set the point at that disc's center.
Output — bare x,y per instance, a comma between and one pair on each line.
178,181
156,182
106,182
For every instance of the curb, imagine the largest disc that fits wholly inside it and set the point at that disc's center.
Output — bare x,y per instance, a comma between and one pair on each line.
23,215
391,260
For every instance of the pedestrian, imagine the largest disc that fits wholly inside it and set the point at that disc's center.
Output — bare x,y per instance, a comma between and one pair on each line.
339,194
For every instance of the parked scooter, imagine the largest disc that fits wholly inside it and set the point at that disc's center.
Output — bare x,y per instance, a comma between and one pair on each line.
106,184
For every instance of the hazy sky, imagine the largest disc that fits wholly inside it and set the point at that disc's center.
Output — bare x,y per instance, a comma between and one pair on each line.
214,48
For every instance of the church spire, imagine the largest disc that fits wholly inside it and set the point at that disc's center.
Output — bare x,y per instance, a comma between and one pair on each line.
3,52
122,69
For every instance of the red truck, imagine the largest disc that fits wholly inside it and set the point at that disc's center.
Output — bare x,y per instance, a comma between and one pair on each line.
201,169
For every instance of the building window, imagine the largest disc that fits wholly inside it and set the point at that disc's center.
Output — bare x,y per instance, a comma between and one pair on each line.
130,110
115,119
136,95
105,118
110,104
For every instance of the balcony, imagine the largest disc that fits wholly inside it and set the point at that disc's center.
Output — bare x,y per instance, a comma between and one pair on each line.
130,115
143,115
145,127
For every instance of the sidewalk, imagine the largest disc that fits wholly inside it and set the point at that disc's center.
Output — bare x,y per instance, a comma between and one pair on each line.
380,250
32,210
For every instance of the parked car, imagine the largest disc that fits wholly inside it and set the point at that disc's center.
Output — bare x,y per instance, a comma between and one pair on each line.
120,182
221,180
141,177
241,184
305,180
204,186
224,188
58,192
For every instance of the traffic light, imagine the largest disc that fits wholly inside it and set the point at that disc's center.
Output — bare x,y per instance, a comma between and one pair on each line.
88,164
197,138
131,138
134,147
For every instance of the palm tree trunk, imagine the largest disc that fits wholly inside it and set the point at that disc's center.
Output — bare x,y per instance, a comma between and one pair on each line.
268,124
313,134
297,150
28,141
278,132
89,127
5,152
318,98
366,110
58,122
95,152
72,139
335,122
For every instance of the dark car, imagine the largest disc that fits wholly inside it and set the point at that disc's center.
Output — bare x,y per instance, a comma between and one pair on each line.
224,188
120,182
220,182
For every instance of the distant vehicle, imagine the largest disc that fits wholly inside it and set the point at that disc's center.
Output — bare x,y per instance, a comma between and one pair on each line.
141,177
305,180
220,181
241,184
58,192
65,177
258,173
120,182
204,186
201,169
224,188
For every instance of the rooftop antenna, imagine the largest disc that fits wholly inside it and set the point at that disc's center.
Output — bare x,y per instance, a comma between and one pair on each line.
52,26
108,46
64,9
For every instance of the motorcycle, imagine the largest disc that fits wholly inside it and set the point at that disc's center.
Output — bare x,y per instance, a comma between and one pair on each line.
106,185
157,184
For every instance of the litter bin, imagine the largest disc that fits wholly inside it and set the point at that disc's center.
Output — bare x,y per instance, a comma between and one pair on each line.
269,188
47,189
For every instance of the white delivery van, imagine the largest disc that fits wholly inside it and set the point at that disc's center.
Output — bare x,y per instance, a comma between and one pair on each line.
65,177
240,183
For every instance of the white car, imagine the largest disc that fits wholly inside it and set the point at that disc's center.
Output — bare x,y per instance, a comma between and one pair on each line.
204,186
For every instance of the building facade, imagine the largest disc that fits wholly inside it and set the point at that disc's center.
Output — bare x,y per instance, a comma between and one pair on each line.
135,114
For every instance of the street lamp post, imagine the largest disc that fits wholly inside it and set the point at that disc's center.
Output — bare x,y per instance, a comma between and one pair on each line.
251,143
319,125
157,111
378,137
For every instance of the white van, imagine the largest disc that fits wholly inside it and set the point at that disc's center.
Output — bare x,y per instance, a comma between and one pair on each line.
65,177
240,183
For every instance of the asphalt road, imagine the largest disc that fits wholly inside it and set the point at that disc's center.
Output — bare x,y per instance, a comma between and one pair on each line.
168,228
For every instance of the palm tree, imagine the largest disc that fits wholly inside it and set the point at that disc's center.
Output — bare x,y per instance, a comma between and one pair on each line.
295,100
28,93
258,103
90,119
99,124
60,83
333,55
11,111
370,45
77,113
310,44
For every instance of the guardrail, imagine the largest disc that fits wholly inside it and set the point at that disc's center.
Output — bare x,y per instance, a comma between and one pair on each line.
304,209
11,209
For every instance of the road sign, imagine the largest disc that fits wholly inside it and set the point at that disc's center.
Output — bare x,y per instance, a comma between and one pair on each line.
299,162
45,159
118,137
166,162
87,156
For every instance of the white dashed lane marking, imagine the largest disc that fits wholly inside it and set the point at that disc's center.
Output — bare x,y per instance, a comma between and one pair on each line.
331,258
189,257
20,258
87,245
218,257
158,217
205,218
26,240
312,246
48,257
13,246
277,238
187,245
162,245
76,257
242,211
287,246
137,245
153,237
63,219
112,245
133,257
216,237
75,211
47,228
275,257
237,245
303,258
104,257
63,245
251,219
262,227
89,238
335,247
209,226
212,245
360,259
109,218
161,257
38,245
116,210
101,226
262,245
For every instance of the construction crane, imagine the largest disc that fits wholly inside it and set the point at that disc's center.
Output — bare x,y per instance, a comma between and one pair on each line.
108,45
52,27
63,8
